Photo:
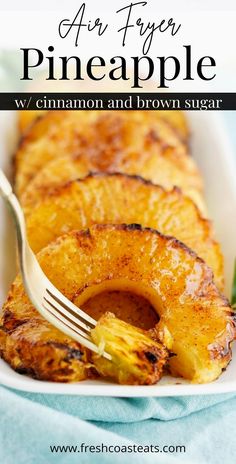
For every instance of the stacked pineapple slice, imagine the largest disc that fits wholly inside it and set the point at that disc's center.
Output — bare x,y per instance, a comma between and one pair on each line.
114,206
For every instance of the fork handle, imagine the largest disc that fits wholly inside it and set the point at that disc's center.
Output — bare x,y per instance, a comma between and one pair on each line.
16,211
5,186
12,202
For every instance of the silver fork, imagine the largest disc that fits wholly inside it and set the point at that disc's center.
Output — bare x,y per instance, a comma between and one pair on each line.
46,298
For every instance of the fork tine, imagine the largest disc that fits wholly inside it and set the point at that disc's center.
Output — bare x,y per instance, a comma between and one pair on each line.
66,312
57,313
68,305
74,333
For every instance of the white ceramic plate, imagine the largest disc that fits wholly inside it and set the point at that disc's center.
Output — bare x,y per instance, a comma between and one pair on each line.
211,149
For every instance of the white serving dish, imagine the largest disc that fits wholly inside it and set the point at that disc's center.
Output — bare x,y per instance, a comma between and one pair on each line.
211,149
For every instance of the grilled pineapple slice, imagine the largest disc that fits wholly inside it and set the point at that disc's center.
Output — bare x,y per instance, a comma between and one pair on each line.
136,358
33,346
177,283
118,198
110,141
176,119
158,169
36,348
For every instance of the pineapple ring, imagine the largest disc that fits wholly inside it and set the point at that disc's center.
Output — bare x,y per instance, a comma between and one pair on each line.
157,169
178,284
110,141
175,118
117,198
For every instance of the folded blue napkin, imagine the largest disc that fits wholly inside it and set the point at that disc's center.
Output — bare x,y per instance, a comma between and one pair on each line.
32,423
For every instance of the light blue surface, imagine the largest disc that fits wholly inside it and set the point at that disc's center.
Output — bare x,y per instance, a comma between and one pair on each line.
30,423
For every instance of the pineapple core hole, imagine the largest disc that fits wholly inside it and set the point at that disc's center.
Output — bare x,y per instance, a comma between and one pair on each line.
131,308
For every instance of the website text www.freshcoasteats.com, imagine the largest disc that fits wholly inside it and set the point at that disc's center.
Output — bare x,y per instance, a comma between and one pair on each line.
84,448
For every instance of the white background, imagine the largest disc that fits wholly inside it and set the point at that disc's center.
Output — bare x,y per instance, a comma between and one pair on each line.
208,30
188,5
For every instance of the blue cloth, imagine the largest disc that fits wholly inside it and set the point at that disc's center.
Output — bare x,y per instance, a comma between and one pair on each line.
31,423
